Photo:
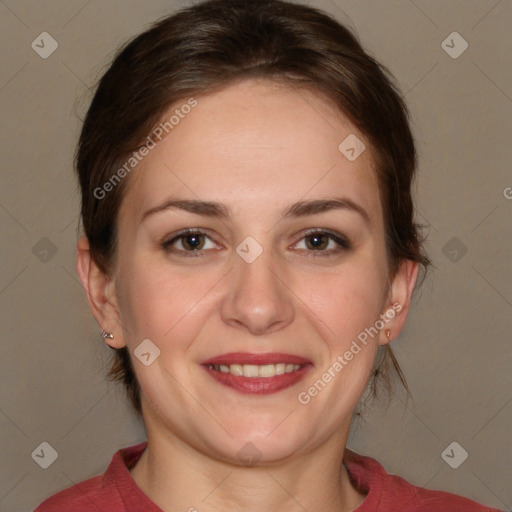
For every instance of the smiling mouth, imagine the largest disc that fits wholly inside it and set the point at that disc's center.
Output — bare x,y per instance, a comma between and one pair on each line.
257,374
254,370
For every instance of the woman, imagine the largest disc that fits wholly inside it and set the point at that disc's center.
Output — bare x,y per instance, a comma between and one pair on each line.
249,252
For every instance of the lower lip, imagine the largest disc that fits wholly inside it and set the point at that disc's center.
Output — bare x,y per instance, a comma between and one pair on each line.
259,385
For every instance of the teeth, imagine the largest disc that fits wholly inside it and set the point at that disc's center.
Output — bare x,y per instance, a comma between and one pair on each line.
267,370
254,370
280,368
237,369
250,370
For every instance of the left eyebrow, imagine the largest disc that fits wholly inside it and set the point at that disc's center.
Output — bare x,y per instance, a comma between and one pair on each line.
299,209
304,208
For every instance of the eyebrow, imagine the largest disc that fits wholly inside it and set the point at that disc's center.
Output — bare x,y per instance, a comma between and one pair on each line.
296,210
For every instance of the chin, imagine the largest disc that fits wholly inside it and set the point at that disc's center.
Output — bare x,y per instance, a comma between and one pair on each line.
252,445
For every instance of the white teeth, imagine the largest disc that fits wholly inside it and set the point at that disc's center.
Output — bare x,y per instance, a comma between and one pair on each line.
280,368
267,370
237,369
250,370
254,370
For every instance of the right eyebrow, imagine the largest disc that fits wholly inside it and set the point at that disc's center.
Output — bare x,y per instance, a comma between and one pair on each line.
204,208
299,209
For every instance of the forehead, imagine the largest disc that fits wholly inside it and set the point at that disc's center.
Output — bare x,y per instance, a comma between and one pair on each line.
252,142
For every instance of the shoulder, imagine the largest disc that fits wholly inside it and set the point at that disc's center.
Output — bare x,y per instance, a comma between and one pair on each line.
387,493
419,499
80,496
108,491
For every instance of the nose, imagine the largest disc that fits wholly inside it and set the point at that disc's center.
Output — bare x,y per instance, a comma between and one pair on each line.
258,299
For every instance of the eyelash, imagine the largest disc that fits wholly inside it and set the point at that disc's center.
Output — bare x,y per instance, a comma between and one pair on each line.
341,240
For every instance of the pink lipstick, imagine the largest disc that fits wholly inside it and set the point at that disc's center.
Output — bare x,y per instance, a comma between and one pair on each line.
251,373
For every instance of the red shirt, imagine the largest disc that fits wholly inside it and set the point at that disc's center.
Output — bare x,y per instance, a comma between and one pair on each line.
116,491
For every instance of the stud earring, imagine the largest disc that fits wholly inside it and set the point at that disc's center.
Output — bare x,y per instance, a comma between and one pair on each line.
388,333
106,335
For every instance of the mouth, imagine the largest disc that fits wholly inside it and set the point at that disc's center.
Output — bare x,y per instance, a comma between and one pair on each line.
257,373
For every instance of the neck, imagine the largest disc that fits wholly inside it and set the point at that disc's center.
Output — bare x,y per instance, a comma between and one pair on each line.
176,476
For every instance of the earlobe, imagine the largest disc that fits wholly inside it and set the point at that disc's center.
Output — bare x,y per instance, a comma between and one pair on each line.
99,292
399,300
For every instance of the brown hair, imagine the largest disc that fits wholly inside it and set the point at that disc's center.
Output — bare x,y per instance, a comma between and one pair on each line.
212,44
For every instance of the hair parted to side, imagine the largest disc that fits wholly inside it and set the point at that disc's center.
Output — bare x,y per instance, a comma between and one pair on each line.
213,44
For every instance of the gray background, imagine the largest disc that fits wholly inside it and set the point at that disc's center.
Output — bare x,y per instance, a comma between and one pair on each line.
455,350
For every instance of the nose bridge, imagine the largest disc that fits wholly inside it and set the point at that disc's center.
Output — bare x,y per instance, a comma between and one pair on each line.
257,298
257,277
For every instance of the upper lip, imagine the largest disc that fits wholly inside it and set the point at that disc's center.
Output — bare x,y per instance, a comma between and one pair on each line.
257,359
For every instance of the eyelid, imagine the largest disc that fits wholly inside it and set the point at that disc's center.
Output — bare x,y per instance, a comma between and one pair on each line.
169,241
341,240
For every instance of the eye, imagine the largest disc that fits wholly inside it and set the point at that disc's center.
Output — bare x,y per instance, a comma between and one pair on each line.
190,242
323,242
316,242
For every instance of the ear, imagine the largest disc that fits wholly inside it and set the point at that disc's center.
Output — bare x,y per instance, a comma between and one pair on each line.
100,293
396,309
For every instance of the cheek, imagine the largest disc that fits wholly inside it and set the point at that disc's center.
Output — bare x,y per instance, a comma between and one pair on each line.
157,303
347,300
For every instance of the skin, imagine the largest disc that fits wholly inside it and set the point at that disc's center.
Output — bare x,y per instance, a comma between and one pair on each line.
256,147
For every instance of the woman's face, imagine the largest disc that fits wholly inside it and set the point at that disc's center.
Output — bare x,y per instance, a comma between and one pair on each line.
254,281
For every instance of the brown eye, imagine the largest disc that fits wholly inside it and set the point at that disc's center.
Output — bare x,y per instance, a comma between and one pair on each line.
189,243
193,242
323,243
317,241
